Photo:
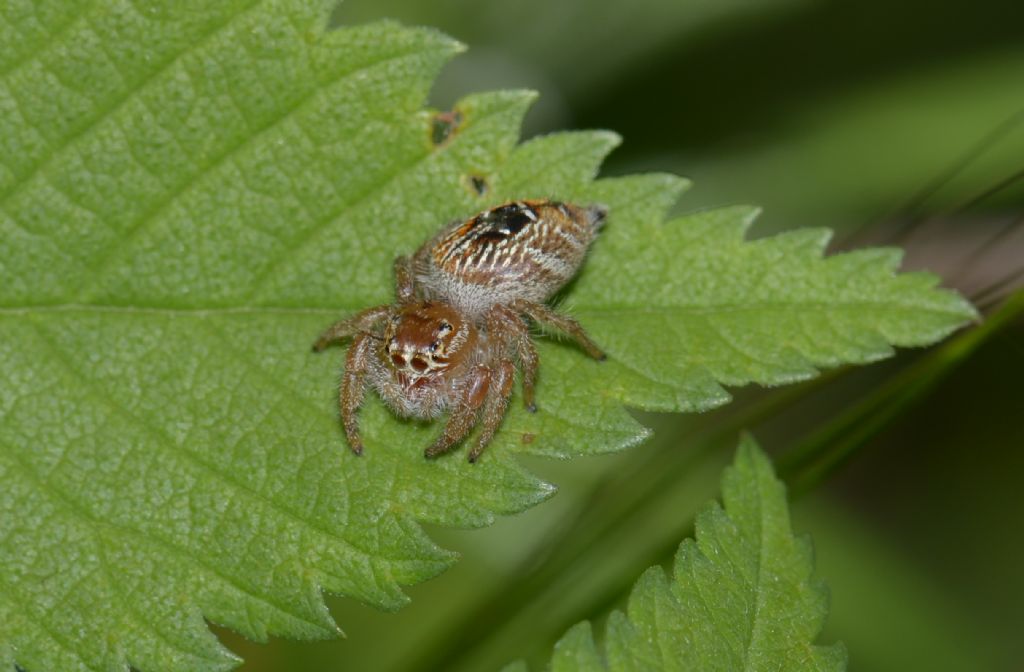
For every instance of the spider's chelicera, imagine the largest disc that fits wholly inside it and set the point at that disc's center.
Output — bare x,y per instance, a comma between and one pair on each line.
458,325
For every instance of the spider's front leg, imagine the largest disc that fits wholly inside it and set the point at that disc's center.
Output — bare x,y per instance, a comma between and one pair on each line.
541,313
357,363
360,322
495,406
464,412
353,388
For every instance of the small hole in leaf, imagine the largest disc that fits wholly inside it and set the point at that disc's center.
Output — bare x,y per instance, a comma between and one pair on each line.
478,183
444,126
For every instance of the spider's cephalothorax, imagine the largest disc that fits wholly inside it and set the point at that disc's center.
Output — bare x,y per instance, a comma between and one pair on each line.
425,339
422,361
451,339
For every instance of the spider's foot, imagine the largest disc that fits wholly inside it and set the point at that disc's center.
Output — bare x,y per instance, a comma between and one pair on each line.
435,450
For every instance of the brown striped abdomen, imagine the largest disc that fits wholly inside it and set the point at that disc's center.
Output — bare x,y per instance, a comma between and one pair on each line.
519,250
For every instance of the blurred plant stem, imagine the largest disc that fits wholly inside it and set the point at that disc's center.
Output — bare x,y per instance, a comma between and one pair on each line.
810,462
596,554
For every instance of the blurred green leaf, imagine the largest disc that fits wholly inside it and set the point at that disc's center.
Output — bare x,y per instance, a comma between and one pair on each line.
741,596
189,192
860,153
581,44
871,574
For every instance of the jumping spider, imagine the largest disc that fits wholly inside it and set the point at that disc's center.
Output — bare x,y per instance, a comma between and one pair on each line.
451,339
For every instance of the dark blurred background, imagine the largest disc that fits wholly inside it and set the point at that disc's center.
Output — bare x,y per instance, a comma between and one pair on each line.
892,123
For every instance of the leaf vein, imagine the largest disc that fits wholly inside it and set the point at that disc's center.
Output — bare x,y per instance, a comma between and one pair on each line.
814,306
102,265
762,532
51,38
42,624
748,357
260,281
101,309
174,449
78,512
116,104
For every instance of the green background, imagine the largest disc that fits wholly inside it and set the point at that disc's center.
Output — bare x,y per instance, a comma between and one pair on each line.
827,114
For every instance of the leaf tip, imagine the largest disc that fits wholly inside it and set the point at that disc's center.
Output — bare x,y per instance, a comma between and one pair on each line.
751,459
676,185
431,37
729,223
748,214
546,491
490,102
605,140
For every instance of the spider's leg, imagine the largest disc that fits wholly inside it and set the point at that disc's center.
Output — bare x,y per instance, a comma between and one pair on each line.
511,327
360,322
463,416
405,280
495,406
542,313
353,388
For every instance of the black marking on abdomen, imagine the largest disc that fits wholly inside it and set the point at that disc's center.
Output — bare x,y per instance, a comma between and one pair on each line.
506,221
491,229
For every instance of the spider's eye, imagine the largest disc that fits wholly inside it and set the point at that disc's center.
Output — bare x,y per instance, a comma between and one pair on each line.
444,327
435,346
419,365
398,361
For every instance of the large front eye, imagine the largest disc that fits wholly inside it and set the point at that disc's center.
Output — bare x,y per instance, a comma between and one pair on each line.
398,361
419,365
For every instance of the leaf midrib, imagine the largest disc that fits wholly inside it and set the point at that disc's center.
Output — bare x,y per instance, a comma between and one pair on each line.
107,309
707,309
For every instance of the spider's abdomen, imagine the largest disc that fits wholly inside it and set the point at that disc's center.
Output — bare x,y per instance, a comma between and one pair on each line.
520,250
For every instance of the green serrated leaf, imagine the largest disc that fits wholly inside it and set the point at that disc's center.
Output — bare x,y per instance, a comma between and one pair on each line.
740,598
189,192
